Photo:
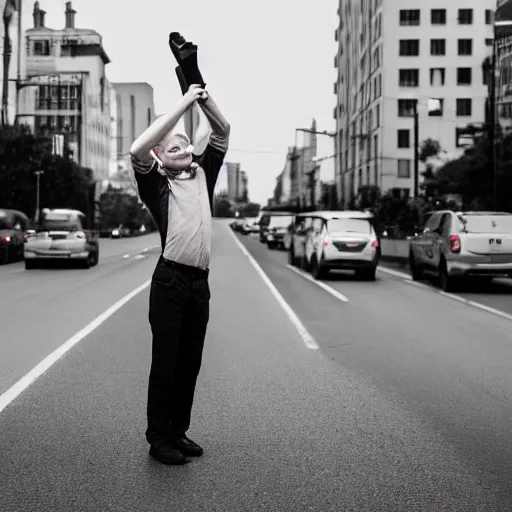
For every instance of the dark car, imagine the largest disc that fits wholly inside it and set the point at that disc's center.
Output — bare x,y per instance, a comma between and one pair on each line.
265,222
13,225
276,231
238,224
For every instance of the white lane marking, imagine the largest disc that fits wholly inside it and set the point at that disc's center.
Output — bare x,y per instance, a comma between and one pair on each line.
126,256
407,279
139,256
303,332
395,273
21,385
322,285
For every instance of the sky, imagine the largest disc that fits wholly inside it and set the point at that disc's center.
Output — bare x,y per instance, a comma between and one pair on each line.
269,65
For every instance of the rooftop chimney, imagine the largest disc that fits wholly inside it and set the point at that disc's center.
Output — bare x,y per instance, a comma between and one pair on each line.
70,16
38,15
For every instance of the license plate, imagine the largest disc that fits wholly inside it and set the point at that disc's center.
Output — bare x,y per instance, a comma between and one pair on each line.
352,245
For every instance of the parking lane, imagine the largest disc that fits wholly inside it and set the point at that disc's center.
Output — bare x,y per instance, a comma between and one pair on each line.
496,295
445,361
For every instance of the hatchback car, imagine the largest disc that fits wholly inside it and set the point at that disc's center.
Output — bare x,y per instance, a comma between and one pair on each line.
62,235
463,245
328,240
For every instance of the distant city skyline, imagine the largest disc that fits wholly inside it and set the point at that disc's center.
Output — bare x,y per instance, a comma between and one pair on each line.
264,93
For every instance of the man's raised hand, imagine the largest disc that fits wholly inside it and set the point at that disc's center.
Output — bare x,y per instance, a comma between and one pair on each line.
195,93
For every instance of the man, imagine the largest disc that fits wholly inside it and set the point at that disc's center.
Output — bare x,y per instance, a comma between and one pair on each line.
177,188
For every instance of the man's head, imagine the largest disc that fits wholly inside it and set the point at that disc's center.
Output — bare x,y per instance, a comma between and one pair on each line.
174,151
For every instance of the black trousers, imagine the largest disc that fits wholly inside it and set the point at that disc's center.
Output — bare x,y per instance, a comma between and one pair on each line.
178,313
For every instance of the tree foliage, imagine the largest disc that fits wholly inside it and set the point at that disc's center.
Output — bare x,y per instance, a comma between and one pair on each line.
119,208
64,183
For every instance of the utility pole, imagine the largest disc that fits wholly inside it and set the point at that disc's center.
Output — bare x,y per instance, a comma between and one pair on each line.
492,119
416,150
38,192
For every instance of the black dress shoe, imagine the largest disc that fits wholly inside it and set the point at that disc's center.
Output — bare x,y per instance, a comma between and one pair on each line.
180,47
187,447
185,54
167,454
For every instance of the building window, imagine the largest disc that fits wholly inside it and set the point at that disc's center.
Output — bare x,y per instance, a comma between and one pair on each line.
464,107
488,17
438,112
437,76
377,115
409,47
463,76
406,108
409,16
404,168
438,47
438,16
462,138
465,16
409,77
404,139
465,46
488,42
42,48
149,116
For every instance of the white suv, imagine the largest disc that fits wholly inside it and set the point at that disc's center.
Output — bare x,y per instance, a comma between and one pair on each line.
323,241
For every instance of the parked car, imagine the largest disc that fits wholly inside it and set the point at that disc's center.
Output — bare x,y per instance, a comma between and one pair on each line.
238,224
276,230
250,226
13,226
65,235
326,240
264,222
463,245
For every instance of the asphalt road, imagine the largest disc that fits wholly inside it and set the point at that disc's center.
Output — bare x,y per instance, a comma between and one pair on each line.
404,406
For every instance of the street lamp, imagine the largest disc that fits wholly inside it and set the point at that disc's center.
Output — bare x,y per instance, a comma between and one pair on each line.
38,189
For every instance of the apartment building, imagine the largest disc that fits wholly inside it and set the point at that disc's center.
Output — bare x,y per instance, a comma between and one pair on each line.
135,107
395,58
66,91
238,183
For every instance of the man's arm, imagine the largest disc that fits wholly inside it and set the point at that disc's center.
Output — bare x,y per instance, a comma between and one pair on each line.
163,125
219,138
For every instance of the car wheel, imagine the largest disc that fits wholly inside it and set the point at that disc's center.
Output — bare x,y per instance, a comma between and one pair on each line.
367,274
30,264
416,272
317,270
448,283
291,257
271,245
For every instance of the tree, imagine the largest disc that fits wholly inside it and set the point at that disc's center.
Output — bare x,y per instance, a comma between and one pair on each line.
119,208
250,210
223,207
64,183
429,148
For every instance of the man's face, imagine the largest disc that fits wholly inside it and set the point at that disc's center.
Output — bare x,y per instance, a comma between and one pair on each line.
172,152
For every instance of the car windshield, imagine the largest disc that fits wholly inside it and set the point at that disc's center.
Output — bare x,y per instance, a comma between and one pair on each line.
60,223
485,223
348,226
281,221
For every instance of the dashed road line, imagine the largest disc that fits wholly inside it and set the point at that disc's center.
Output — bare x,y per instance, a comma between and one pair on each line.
326,287
408,279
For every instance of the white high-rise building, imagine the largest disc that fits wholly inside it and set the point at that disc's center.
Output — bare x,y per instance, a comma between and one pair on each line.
393,57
